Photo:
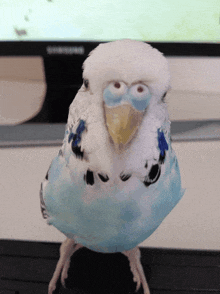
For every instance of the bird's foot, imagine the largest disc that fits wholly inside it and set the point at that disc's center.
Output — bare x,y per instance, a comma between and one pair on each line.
67,249
137,269
64,274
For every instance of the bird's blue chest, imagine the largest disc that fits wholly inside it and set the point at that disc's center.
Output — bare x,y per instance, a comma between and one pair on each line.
106,215
117,219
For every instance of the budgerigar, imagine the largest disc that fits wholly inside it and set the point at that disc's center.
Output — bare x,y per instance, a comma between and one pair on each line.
116,176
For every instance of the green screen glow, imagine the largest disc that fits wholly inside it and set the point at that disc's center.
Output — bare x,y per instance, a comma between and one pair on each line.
100,20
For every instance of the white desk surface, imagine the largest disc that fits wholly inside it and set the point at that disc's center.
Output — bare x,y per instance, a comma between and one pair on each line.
193,224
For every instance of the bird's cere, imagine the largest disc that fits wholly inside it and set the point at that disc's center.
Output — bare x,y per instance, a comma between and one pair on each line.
138,95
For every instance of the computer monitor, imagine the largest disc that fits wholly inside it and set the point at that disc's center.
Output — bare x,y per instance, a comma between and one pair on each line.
64,32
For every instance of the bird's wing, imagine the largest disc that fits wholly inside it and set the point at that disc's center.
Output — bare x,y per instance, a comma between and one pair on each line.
85,148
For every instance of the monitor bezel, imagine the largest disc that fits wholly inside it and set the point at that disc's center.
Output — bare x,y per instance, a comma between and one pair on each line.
82,48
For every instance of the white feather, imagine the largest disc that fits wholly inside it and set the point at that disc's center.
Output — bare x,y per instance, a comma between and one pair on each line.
128,61
95,140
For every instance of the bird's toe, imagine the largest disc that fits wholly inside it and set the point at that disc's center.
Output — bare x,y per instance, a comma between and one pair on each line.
64,274
137,280
51,287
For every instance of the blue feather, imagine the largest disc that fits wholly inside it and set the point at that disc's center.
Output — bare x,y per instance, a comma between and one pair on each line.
162,143
70,137
119,218
81,127
77,137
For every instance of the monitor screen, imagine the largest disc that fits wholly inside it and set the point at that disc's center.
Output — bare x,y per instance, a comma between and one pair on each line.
98,20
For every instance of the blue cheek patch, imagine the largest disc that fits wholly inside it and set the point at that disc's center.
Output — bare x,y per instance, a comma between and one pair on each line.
113,100
162,143
110,98
81,127
77,136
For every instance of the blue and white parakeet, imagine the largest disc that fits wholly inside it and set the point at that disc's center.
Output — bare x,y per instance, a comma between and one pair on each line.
116,176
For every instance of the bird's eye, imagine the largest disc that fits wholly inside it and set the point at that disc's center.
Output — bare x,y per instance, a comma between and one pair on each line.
86,83
139,91
117,88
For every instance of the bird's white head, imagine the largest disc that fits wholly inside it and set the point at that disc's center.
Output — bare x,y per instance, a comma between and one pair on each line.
126,77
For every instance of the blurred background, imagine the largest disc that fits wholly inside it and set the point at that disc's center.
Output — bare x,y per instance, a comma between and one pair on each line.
42,47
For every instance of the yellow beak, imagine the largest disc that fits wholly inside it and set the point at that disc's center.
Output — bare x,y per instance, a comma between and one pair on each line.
122,122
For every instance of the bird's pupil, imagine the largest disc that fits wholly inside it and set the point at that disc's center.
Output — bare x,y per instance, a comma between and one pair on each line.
117,85
140,89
